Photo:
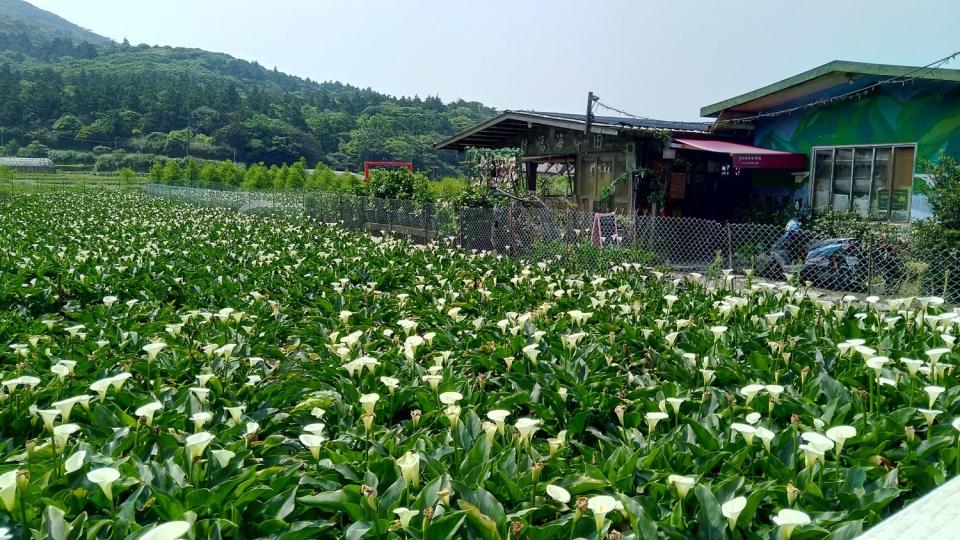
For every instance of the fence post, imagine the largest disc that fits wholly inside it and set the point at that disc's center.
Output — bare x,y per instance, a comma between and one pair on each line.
870,247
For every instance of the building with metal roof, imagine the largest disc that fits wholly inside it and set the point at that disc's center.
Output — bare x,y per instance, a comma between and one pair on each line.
867,129
23,164
623,164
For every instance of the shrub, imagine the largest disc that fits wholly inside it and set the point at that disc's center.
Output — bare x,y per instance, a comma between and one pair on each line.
398,184
944,192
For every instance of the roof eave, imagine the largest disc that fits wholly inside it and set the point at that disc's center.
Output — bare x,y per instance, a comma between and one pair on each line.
840,66
567,123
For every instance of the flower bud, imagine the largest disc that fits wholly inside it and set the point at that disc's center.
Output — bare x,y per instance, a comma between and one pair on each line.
23,480
792,493
535,469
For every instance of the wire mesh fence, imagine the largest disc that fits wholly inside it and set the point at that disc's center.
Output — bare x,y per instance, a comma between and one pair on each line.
871,264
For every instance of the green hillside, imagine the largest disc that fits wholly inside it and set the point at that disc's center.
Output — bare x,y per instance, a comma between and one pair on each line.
17,16
69,93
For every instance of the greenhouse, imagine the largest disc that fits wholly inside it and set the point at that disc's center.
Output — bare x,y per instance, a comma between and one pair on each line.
33,165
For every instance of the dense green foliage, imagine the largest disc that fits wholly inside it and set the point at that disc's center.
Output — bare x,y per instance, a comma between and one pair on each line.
177,102
249,376
398,184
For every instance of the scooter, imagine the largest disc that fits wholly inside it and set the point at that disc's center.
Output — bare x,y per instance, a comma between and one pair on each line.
835,263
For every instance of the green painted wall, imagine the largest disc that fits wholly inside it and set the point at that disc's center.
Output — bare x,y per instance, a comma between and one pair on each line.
923,112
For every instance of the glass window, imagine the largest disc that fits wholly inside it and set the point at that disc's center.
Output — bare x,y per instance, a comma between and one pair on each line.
902,184
881,183
862,164
822,178
874,181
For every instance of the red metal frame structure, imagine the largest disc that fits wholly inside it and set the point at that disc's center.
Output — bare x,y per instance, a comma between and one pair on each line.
368,164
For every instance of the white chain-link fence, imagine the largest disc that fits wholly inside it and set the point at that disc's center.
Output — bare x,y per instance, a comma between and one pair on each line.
871,264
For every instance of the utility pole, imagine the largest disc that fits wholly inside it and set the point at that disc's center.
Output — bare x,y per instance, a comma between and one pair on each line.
591,99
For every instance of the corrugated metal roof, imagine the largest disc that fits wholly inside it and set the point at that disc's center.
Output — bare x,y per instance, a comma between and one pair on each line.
498,130
643,123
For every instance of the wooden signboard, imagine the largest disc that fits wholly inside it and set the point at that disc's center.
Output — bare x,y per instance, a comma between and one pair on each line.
678,186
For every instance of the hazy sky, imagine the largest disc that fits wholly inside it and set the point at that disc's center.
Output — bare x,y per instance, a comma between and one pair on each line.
663,59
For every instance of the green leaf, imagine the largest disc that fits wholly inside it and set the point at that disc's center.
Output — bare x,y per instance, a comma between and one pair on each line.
846,531
53,524
710,520
446,526
358,530
481,523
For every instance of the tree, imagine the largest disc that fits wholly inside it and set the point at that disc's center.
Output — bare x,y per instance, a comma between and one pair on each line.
297,175
172,173
944,191
127,176
35,149
156,173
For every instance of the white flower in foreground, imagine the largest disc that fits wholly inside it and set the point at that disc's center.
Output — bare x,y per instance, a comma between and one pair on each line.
731,510
876,363
312,442
104,477
48,416
147,411
718,331
404,515
821,442
410,346
789,519
750,391
912,365
601,505
369,401
746,430
197,443
929,415
839,435
675,403
235,413
172,530
681,484
409,464
390,382
61,434
499,417
532,351
653,418
933,392
526,427
558,494
765,436
74,462
153,349
8,489
199,419
935,354
450,398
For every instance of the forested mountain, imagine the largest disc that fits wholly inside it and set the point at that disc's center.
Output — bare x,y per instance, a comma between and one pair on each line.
66,88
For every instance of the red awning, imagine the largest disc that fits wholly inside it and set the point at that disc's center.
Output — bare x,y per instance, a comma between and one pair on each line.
746,156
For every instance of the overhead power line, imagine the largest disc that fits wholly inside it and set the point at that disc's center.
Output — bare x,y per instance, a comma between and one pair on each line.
901,79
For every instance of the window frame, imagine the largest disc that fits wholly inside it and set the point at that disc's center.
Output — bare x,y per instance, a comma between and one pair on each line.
853,149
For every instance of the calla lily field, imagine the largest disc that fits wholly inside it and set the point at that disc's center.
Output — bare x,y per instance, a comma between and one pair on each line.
173,371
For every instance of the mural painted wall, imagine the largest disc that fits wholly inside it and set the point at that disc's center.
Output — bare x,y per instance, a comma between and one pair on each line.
923,112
